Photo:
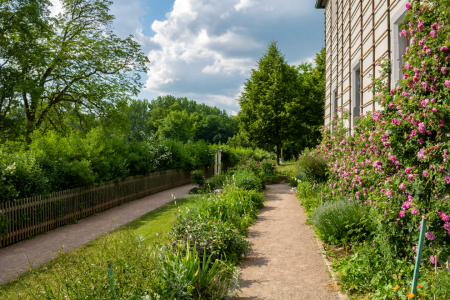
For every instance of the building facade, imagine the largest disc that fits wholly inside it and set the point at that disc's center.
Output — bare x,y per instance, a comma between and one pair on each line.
358,34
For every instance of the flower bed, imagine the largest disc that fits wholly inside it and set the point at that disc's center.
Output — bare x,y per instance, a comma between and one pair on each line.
395,163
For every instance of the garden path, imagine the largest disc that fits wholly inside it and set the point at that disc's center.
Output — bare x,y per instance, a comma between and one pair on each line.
44,247
284,262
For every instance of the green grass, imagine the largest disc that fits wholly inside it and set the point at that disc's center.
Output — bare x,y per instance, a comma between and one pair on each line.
286,167
159,221
84,268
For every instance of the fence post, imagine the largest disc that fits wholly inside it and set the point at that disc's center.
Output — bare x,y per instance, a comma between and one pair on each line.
419,255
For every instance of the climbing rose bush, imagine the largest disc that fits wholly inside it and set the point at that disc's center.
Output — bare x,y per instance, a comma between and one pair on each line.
395,161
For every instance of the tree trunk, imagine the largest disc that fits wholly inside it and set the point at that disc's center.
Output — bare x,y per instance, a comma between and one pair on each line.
278,154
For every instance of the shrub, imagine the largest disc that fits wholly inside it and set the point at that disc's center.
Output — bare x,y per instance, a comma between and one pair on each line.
233,205
198,177
333,220
220,240
312,168
21,175
246,180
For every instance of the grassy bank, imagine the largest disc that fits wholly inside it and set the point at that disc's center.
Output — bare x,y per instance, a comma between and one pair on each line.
130,247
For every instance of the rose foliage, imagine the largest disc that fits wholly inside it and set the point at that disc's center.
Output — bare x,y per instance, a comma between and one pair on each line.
395,161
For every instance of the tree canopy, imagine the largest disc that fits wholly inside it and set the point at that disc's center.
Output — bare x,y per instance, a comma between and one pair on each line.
71,64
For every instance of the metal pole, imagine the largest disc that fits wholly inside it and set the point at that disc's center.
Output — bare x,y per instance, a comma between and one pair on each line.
419,256
111,279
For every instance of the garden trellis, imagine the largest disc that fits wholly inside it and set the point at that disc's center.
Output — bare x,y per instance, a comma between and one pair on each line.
28,217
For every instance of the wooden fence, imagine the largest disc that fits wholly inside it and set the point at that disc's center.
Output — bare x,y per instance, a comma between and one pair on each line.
28,217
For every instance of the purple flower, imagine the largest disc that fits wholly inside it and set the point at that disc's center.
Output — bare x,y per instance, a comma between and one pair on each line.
430,235
386,144
406,205
392,92
444,49
408,6
410,177
408,170
402,213
402,186
447,83
433,33
444,70
425,174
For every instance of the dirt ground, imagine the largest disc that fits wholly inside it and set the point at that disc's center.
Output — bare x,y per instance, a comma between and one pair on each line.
42,248
284,262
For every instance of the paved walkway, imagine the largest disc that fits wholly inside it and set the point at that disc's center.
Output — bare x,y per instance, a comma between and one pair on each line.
42,248
284,262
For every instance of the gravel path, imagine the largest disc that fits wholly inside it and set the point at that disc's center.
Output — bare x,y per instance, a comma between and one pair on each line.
42,248
284,262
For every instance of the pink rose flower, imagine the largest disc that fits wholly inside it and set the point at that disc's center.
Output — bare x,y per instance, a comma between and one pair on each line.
444,49
430,235
447,179
421,154
422,127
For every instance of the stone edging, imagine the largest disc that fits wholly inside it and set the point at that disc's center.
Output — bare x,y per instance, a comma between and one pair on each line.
329,264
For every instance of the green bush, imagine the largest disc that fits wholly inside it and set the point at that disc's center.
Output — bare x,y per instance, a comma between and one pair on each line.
220,240
217,181
312,168
334,219
21,175
247,180
198,177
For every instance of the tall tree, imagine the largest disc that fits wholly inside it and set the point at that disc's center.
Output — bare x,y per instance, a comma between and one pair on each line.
80,62
21,22
270,99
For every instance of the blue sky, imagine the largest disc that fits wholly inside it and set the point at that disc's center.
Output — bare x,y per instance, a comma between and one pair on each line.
205,49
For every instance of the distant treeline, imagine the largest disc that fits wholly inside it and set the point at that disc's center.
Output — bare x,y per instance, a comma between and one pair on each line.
181,119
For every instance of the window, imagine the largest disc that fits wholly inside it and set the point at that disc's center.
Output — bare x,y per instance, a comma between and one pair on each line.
335,103
357,93
403,43
398,44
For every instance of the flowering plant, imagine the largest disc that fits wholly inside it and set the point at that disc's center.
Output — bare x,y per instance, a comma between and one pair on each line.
198,177
395,160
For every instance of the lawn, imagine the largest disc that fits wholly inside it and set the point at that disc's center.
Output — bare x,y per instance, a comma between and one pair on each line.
286,167
134,244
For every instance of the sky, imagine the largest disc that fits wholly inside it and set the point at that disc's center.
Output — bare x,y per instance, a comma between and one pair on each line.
204,49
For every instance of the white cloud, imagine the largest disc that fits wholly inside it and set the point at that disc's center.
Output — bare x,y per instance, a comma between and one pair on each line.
205,49
56,7
233,113
243,4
